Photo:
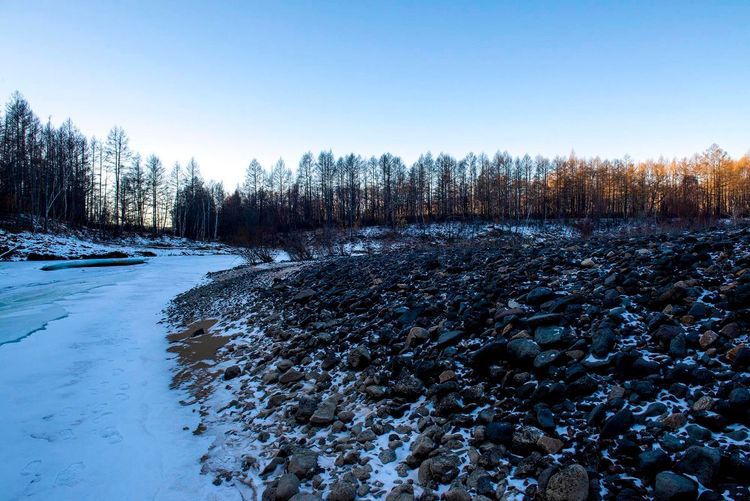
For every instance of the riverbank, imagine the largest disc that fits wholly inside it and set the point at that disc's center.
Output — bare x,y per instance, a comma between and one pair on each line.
87,411
500,368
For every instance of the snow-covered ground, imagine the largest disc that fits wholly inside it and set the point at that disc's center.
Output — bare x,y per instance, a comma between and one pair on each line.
85,403
75,244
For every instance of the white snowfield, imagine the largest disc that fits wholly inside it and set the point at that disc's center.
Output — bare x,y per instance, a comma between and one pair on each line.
86,411
74,244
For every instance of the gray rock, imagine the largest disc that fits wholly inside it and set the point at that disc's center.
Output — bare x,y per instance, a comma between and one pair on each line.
549,335
306,407
652,461
523,351
441,468
546,358
342,491
359,358
303,463
387,456
569,484
304,296
448,405
526,437
617,424
602,341
539,295
288,486
670,486
284,365
449,337
403,492
422,446
325,412
306,496
456,493
499,432
701,462
232,372
544,319
678,347
376,392
291,376
408,387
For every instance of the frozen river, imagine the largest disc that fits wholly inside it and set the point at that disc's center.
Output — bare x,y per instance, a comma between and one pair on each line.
85,404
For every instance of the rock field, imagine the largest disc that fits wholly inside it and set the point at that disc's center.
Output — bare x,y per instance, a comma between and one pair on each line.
499,368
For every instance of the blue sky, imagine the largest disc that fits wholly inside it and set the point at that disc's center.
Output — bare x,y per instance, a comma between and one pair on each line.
228,81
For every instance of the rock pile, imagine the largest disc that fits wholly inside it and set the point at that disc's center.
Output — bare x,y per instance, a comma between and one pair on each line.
612,368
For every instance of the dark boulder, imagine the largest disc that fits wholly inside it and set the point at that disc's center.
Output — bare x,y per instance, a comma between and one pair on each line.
617,424
670,486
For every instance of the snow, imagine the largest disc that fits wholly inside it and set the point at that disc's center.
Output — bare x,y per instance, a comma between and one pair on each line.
73,244
86,408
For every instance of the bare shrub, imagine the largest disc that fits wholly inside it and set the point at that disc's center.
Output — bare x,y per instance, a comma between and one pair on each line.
257,255
295,245
585,227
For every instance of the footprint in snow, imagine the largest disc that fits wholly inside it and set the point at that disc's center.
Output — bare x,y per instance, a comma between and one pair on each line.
111,435
54,436
70,475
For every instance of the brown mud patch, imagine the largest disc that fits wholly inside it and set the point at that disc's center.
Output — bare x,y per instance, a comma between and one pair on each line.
196,348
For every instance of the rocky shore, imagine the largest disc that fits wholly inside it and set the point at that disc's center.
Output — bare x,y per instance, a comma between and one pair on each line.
500,368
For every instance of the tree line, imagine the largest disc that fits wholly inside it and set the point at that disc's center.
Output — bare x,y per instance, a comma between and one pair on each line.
50,173
351,190
56,173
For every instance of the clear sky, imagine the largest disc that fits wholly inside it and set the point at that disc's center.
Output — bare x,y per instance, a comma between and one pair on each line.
227,81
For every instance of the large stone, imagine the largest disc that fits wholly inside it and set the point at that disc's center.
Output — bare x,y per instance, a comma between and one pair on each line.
525,439
449,337
288,486
306,407
456,493
408,387
232,372
422,446
325,412
342,491
546,358
652,461
707,339
441,469
740,297
523,351
544,319
291,376
550,445
416,335
403,492
569,484
499,433
448,405
617,424
670,486
539,295
549,335
304,296
303,463
359,358
665,332
701,462
602,341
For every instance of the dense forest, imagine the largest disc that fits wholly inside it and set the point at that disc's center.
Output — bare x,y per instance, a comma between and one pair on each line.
56,173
